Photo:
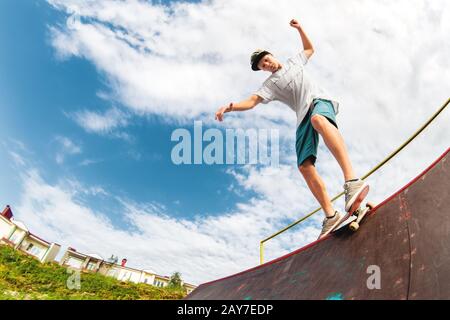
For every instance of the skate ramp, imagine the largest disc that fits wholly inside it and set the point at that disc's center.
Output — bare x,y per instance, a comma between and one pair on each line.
407,237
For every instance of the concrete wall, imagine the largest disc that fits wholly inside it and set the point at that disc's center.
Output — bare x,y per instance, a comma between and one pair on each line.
159,282
51,253
33,247
147,278
17,236
129,275
92,264
73,262
5,228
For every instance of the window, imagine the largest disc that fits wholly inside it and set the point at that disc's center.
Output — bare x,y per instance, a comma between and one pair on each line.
91,266
158,283
30,246
35,251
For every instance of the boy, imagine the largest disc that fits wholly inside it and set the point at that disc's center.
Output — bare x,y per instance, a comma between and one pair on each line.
316,111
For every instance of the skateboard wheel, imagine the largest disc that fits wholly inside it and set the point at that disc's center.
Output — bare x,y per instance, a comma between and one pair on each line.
370,205
354,226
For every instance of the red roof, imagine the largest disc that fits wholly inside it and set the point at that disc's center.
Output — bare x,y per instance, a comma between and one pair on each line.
7,213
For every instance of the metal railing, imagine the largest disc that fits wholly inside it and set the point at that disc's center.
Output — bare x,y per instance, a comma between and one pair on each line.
378,166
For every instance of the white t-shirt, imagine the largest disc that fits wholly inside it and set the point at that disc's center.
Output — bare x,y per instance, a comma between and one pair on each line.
293,86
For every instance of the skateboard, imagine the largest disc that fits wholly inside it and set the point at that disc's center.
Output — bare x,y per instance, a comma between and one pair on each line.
360,214
356,210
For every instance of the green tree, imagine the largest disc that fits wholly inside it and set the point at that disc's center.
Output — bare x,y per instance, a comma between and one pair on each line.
175,280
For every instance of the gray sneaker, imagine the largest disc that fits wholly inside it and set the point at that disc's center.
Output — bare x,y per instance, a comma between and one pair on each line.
355,192
330,223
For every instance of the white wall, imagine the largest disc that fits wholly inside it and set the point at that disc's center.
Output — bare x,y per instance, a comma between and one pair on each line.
17,236
38,249
51,253
125,274
5,228
129,275
74,262
113,272
160,282
136,276
149,277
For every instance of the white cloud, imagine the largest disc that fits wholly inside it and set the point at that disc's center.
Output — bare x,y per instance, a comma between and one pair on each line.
68,145
17,144
65,147
88,162
18,159
182,61
100,122
135,155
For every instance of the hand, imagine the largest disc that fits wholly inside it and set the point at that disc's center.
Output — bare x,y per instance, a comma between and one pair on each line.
294,24
222,110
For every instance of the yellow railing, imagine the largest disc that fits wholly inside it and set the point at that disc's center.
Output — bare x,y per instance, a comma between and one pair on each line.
261,244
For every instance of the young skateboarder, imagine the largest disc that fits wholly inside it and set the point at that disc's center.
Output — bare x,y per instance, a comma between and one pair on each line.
316,114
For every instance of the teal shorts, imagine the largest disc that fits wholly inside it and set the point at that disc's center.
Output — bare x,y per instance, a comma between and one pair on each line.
306,137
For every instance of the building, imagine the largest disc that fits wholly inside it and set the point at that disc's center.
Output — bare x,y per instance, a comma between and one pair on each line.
189,287
80,261
16,234
94,263
123,273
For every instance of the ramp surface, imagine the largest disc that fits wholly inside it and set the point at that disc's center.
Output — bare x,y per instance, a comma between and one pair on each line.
407,237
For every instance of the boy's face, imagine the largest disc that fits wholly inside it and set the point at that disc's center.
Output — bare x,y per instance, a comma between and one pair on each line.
269,63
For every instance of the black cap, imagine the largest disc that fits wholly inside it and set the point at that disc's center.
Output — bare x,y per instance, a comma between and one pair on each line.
256,57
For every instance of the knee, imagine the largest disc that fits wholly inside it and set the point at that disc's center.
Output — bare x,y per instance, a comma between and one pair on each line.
306,167
318,121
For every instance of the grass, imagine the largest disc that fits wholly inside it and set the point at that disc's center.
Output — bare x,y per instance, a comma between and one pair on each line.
25,278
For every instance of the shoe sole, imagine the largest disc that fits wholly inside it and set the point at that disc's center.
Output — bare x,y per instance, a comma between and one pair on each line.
334,226
358,198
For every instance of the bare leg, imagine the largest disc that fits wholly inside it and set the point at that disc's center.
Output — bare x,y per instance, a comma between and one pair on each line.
317,186
335,143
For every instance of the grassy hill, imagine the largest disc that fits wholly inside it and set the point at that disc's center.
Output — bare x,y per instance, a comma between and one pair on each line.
23,277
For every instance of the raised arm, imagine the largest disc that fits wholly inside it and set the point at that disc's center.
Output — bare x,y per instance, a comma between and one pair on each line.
246,104
307,45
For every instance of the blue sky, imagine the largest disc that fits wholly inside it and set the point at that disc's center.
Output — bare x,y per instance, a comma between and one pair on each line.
40,91
91,91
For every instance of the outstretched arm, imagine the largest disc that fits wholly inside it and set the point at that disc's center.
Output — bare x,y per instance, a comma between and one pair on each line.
307,45
247,104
